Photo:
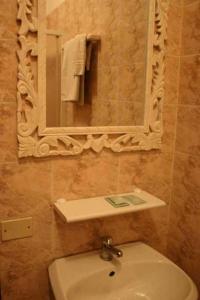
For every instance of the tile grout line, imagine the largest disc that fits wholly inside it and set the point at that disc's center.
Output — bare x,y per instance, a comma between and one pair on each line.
175,134
183,55
118,174
189,105
190,55
51,180
189,4
52,210
187,154
196,106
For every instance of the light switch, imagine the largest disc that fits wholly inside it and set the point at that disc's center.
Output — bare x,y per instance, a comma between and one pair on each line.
16,229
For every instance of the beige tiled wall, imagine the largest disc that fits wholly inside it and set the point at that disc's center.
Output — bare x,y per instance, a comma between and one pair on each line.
184,235
28,186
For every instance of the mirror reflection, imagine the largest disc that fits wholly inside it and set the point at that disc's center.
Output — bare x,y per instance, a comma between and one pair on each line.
96,61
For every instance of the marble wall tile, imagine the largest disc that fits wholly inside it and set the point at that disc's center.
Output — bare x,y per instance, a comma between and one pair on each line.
131,112
52,21
132,41
132,174
190,80
189,2
100,15
82,115
24,188
172,80
20,283
108,51
174,30
188,127
169,127
186,183
85,176
183,244
176,2
109,113
74,238
107,79
191,29
184,241
131,82
146,226
8,140
8,70
8,12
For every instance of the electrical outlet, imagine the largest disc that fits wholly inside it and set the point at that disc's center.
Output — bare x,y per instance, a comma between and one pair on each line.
16,229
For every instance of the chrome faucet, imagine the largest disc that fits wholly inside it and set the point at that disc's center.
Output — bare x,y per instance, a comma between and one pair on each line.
108,250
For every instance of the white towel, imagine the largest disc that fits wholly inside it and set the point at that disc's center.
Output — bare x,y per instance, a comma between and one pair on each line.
73,69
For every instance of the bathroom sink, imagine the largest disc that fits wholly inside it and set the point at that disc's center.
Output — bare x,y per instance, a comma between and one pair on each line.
141,274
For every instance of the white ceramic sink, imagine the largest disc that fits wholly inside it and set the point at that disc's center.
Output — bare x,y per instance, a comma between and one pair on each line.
141,274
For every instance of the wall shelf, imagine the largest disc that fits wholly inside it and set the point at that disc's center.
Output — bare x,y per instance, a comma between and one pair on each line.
98,207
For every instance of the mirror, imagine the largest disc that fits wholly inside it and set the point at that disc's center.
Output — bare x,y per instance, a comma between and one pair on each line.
91,75
112,91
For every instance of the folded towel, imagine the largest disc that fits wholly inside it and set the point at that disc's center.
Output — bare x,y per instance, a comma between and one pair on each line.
80,58
73,69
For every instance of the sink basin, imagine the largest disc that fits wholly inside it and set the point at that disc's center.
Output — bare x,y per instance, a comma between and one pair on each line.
141,274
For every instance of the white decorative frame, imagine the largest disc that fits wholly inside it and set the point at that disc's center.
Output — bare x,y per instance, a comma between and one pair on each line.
36,140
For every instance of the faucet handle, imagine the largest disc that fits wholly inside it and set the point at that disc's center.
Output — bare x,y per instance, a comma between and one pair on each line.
107,241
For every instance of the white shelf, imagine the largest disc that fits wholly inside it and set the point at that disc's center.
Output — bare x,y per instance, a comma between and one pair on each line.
98,207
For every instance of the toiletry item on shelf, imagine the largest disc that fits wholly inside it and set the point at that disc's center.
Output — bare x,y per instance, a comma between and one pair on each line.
121,201
117,201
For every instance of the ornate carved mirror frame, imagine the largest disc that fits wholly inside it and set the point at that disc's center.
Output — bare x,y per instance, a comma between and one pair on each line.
37,140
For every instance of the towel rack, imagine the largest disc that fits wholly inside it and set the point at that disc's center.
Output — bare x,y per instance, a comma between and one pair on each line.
55,33
93,38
